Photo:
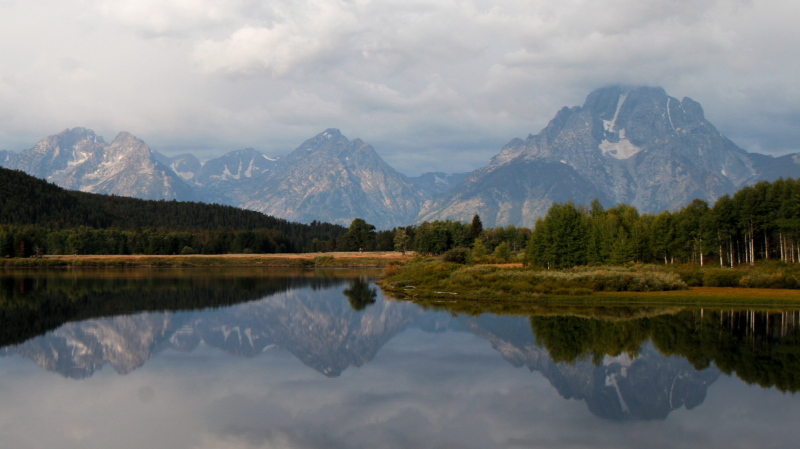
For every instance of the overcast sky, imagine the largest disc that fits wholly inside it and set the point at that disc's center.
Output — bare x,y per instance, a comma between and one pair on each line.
431,84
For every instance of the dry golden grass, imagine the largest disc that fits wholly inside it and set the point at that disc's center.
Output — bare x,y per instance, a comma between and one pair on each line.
332,259
386,255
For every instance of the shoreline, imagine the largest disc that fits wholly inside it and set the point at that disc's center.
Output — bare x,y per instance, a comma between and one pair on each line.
378,259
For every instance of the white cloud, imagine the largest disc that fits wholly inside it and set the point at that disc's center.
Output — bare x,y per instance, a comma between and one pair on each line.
301,32
157,17
411,75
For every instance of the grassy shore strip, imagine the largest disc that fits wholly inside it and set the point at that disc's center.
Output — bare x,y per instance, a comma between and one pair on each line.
432,277
306,260
434,282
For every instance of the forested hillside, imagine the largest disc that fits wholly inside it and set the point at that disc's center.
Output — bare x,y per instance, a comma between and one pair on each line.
37,217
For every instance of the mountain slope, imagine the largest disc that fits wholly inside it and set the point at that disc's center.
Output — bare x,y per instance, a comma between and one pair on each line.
436,183
78,159
633,145
333,179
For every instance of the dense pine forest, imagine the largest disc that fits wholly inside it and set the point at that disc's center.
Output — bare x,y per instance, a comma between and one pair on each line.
760,222
38,218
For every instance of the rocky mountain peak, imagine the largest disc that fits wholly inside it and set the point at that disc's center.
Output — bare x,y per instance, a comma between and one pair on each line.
329,141
79,159
125,137
58,152
70,137
331,178
129,147
626,144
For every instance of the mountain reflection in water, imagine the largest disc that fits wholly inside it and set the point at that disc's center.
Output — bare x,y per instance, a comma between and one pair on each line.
624,369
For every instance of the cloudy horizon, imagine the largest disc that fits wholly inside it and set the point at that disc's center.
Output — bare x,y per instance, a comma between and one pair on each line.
435,85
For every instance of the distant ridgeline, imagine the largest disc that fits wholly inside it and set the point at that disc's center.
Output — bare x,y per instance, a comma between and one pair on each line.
37,218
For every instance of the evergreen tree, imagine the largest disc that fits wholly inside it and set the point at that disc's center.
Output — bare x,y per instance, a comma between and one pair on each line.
559,240
476,228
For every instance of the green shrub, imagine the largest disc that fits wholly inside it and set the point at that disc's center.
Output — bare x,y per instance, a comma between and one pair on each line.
502,252
692,276
323,260
722,277
457,255
768,280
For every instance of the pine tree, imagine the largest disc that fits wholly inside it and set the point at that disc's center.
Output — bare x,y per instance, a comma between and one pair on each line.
476,228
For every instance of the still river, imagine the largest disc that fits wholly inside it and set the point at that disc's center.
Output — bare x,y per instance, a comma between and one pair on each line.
258,358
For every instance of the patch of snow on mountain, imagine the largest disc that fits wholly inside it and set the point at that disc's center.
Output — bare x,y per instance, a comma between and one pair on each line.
226,174
187,175
610,124
249,172
669,114
78,157
623,149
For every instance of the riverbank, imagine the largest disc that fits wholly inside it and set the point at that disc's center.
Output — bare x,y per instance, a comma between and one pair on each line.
303,260
434,277
483,287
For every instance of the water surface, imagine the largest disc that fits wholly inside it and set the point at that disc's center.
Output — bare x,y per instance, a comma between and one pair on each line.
256,358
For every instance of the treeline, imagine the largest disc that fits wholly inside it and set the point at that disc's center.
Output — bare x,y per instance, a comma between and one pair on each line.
437,237
758,222
28,241
38,218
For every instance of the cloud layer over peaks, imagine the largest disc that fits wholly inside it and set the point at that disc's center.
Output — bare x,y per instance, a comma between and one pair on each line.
433,85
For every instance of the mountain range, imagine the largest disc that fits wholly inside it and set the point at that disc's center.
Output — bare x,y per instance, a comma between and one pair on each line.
633,145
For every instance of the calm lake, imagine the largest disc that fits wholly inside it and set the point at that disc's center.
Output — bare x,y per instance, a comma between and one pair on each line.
263,358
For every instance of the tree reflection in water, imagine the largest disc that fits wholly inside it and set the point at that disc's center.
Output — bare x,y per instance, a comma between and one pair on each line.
360,294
